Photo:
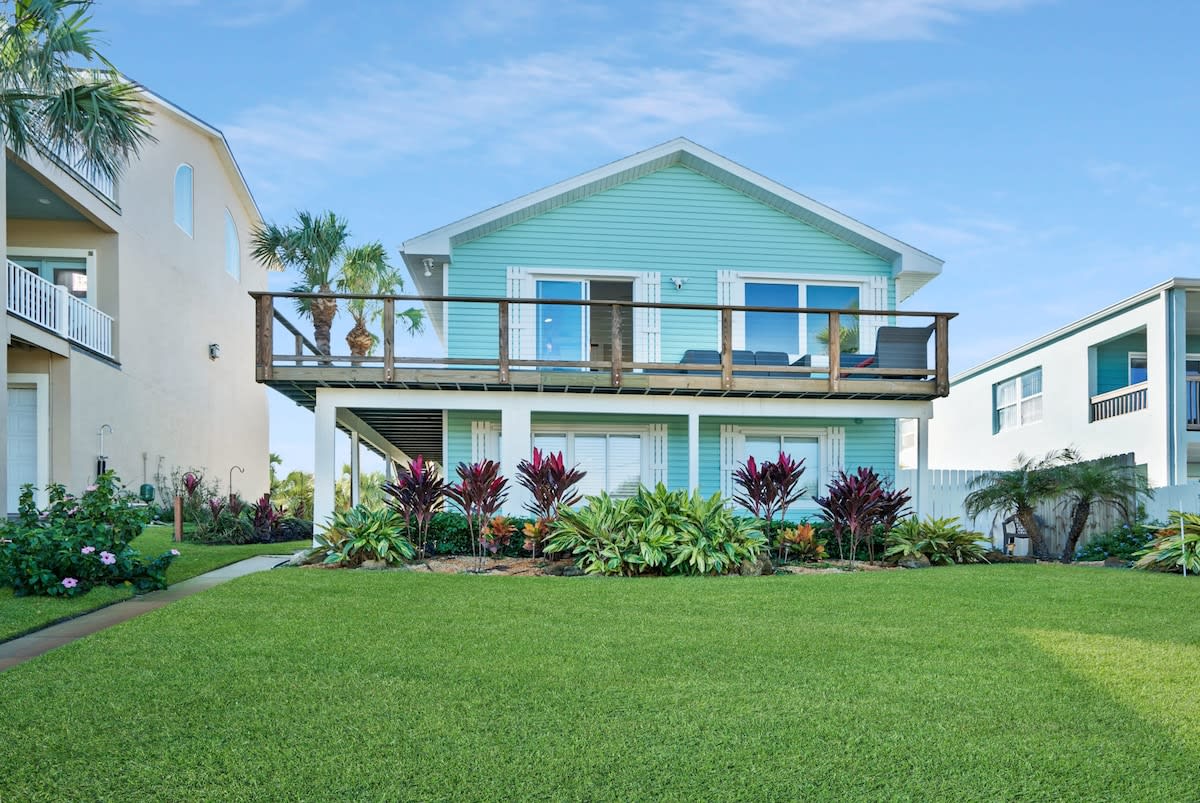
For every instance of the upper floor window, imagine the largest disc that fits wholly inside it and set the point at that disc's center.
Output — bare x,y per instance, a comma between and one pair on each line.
794,333
233,248
1018,401
183,198
1137,369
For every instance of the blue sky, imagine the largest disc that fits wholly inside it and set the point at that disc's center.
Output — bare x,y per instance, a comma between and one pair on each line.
1046,150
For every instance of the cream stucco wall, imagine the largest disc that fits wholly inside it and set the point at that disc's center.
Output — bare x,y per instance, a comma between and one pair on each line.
961,430
170,296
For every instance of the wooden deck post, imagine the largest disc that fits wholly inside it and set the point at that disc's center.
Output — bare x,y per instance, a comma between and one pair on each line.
616,346
503,366
265,329
835,352
299,348
941,345
726,348
389,339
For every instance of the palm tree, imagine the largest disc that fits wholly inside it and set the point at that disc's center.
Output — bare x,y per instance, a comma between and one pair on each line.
366,271
59,95
314,246
1019,490
1103,483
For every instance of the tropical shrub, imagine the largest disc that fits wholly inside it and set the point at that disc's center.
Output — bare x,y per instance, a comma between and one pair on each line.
800,543
497,534
223,521
292,528
450,534
551,487
360,534
1085,485
77,543
416,495
855,505
1019,490
656,532
769,488
478,494
1123,541
1172,551
943,541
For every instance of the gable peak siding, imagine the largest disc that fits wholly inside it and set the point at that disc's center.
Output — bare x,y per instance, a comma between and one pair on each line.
674,221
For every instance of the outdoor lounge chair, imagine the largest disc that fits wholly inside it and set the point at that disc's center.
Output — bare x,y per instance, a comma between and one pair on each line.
903,347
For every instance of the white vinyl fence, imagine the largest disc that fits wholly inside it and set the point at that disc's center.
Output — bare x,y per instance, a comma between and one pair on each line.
949,488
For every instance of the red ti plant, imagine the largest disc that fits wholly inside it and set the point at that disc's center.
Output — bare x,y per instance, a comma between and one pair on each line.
416,494
551,487
855,505
479,493
215,506
265,517
191,482
769,488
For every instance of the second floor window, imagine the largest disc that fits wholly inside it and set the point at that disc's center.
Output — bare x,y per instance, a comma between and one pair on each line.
1018,401
183,198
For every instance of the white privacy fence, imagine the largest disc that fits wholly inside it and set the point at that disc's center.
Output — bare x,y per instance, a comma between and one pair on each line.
50,306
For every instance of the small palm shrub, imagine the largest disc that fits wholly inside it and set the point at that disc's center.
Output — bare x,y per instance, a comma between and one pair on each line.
656,532
359,534
943,541
1123,541
1171,551
78,542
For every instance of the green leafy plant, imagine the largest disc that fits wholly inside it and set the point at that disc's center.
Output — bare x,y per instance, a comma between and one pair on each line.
1123,541
78,542
656,532
360,534
1085,485
942,540
1172,550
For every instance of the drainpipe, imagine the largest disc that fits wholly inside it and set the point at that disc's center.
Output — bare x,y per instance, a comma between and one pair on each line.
1174,305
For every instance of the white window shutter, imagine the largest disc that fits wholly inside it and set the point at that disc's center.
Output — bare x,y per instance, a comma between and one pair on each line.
728,458
876,298
522,321
658,447
647,323
485,443
731,291
835,457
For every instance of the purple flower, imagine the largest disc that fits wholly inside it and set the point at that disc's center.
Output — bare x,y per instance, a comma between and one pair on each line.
108,558
90,488
175,552
87,550
73,511
69,582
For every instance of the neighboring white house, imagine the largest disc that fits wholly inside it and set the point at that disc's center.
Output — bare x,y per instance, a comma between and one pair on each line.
1125,379
128,315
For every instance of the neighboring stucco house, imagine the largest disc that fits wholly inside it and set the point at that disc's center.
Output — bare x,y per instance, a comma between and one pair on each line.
658,319
115,296
1124,379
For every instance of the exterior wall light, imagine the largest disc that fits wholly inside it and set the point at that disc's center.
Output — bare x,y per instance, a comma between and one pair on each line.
214,350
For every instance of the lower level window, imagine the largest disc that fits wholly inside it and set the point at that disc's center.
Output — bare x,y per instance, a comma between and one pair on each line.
806,448
613,462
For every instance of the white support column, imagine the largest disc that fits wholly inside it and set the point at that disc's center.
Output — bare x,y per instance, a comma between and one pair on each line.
324,458
693,451
515,446
388,465
355,468
921,504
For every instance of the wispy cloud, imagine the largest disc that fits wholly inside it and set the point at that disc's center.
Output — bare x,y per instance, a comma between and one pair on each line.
816,22
878,102
510,111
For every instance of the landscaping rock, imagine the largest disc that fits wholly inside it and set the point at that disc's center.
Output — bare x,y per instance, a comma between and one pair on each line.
373,565
757,568
555,569
1116,563
914,562
572,571
298,559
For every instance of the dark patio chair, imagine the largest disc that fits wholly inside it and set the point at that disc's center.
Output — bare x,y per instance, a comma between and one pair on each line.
903,347
701,357
771,358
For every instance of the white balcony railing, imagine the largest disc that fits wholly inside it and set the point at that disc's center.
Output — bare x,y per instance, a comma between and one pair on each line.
51,307
1119,402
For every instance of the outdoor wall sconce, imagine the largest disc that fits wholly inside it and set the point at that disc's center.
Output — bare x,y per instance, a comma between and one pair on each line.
427,262
679,281
214,350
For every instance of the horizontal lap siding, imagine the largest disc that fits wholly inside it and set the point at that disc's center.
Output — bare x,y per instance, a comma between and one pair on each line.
1112,361
458,435
674,221
871,444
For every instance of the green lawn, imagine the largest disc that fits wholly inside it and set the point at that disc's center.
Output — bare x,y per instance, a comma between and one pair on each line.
20,615
1006,682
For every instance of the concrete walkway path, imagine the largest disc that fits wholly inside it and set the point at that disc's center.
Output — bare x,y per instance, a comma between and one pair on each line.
34,644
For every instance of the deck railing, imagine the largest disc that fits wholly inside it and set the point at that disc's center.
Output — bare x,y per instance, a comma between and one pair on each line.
1118,402
1193,402
505,357
53,308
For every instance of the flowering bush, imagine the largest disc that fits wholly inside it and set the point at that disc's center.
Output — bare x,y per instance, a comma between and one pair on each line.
79,542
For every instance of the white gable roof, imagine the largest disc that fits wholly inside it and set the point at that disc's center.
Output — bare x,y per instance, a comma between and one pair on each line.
911,267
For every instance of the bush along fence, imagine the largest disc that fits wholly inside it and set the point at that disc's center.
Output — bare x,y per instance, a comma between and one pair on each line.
656,531
209,517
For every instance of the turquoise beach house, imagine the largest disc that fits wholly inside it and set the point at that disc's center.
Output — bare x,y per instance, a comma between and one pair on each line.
658,319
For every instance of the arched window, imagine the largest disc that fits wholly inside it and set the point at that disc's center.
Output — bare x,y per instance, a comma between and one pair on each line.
233,248
183,198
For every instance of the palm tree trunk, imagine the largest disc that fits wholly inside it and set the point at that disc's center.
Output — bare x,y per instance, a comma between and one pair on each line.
1037,545
359,338
1080,512
323,312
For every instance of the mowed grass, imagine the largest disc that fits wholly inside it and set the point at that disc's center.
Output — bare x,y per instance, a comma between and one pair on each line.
971,683
19,615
